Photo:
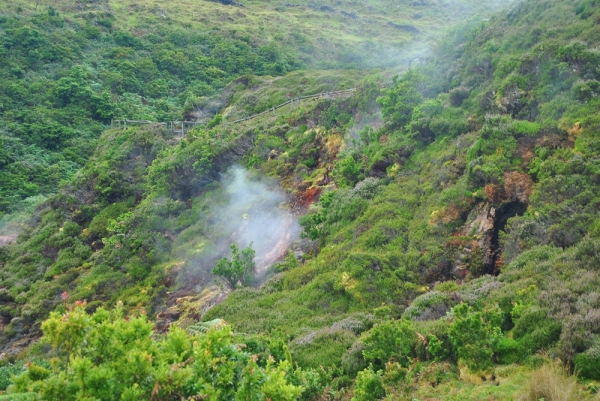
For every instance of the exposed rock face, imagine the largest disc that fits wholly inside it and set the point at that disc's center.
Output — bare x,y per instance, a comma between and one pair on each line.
480,225
23,335
484,224
486,220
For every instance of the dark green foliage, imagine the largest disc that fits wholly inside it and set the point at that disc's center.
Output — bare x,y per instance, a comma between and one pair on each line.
8,371
434,119
587,364
475,335
436,348
500,127
508,351
57,95
98,227
347,171
535,330
55,254
399,102
390,340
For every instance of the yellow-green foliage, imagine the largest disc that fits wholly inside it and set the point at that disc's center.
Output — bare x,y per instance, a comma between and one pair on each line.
106,356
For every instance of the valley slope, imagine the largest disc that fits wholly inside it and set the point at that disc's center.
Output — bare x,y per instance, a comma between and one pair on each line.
449,214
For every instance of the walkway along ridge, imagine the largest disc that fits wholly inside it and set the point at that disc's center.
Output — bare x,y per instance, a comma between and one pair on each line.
181,127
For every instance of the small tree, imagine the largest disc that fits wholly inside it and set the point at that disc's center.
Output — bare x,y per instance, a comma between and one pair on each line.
390,339
238,270
474,335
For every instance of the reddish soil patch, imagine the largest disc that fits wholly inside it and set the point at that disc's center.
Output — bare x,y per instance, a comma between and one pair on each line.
7,239
311,195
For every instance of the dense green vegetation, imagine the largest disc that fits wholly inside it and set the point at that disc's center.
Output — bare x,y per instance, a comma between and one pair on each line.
67,68
505,121
63,80
452,252
106,357
239,269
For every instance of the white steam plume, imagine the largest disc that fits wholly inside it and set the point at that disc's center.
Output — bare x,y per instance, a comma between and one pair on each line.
255,213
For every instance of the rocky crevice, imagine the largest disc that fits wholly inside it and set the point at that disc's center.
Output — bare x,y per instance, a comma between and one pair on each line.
483,255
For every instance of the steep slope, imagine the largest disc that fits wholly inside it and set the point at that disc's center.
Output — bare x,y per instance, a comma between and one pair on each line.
69,67
453,248
486,167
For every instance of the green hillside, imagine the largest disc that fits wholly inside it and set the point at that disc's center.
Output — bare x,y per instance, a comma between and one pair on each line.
433,234
69,67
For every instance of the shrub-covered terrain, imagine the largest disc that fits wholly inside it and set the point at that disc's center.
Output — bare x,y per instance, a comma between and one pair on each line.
449,214
68,68
64,78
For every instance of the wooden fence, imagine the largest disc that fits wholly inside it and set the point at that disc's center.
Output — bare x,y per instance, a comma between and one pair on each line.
296,102
182,127
176,127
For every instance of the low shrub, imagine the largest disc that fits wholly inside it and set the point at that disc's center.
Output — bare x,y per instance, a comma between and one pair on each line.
474,335
508,351
430,306
353,360
390,339
587,364
369,386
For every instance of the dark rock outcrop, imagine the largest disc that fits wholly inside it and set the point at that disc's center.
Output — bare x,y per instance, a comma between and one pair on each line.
403,27
349,15
228,3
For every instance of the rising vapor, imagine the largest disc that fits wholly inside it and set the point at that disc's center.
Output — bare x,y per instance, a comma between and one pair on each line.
255,213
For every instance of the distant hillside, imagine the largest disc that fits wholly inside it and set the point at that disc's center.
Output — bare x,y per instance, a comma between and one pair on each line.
69,67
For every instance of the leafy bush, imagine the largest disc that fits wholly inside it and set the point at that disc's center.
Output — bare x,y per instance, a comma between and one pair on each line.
60,88
353,360
474,335
587,364
96,349
436,348
390,340
98,227
8,371
369,386
535,330
398,102
238,269
508,351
